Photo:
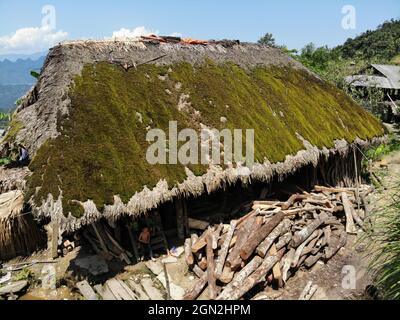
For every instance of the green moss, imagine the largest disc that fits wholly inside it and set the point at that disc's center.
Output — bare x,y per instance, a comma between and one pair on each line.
15,126
101,151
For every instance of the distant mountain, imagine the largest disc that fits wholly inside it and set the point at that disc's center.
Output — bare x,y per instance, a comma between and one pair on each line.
18,72
15,57
10,93
15,79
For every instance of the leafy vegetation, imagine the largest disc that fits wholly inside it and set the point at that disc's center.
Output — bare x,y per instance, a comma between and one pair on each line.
267,39
378,152
334,64
24,274
382,44
35,74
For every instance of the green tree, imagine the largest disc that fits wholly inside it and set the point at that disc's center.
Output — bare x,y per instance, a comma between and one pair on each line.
267,39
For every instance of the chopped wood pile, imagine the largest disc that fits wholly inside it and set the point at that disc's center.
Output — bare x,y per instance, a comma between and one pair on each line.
271,242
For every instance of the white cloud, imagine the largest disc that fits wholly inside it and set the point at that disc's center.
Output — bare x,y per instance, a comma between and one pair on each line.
31,40
137,32
176,34
134,33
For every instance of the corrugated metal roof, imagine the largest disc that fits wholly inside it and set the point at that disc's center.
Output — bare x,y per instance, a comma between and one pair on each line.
390,78
369,81
392,73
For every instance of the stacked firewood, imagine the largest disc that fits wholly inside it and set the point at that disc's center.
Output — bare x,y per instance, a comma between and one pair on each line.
270,243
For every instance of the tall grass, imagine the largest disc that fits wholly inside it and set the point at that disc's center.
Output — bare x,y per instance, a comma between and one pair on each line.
385,239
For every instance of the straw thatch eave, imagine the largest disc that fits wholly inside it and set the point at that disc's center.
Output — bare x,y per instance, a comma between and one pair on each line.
215,179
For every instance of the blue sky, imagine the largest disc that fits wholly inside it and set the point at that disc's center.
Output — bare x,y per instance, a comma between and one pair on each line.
292,22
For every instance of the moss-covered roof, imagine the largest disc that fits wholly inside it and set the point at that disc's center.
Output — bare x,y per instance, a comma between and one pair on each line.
99,149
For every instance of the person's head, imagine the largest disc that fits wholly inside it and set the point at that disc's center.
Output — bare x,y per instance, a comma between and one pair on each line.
146,229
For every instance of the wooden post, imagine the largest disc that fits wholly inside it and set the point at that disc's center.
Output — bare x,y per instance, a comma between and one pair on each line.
54,238
167,281
350,227
212,287
133,243
180,223
185,217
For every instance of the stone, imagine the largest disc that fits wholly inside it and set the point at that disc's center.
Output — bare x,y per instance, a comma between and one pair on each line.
49,280
86,290
152,292
176,291
154,266
14,287
6,278
178,252
169,259
95,264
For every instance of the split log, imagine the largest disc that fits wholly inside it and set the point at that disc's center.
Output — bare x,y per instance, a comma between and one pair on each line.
245,217
334,190
301,261
193,238
198,224
197,271
287,263
266,202
253,242
227,275
301,247
224,249
240,277
293,212
311,245
284,240
365,204
251,280
319,202
311,260
198,287
216,236
335,246
244,233
306,232
350,227
264,246
276,270
356,218
203,263
294,198
200,243
211,279
188,252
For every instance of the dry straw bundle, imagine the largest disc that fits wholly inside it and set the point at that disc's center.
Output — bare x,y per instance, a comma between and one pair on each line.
19,234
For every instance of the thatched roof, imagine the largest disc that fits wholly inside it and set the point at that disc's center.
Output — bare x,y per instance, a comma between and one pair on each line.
86,120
